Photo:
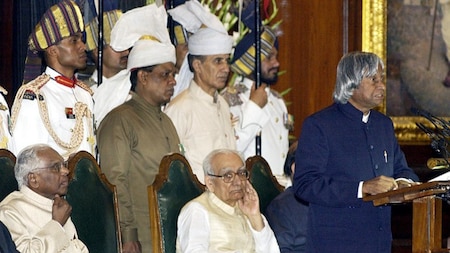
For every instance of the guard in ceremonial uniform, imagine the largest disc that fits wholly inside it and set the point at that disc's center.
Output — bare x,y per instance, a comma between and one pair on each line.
55,108
261,110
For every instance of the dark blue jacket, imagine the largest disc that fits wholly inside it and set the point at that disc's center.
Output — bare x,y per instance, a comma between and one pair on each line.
336,150
6,243
287,216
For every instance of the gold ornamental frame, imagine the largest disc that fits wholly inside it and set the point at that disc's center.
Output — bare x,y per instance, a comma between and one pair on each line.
374,39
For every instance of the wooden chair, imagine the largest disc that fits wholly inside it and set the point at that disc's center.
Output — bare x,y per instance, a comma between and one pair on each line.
8,182
94,205
263,181
174,186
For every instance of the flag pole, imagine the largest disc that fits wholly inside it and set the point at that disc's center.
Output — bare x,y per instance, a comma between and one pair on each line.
257,33
171,22
100,43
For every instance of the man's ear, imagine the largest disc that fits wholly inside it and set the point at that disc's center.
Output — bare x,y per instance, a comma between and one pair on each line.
209,184
52,50
196,64
94,53
142,76
32,181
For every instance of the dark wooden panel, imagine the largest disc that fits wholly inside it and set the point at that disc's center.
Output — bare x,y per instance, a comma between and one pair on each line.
310,48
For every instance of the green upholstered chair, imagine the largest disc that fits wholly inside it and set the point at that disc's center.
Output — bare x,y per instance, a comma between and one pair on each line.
94,205
8,181
174,186
262,179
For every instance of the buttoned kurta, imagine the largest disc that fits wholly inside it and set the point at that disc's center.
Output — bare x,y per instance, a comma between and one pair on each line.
60,103
203,123
111,93
132,140
28,217
207,224
336,151
249,119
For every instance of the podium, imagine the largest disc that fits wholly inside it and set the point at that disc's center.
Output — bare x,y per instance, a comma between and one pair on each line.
427,212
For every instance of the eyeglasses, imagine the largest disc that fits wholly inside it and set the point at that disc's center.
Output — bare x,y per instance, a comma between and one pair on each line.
229,176
56,167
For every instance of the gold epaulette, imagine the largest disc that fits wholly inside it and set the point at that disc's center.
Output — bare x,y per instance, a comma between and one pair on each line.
85,87
30,90
231,94
37,83
90,82
30,87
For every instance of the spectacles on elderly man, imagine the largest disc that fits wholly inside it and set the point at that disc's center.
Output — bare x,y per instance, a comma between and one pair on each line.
56,167
229,176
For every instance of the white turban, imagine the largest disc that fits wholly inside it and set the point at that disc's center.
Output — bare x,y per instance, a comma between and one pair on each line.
192,15
149,52
207,41
133,24
209,37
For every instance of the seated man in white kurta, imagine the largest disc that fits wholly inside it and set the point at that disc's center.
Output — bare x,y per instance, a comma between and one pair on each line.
225,218
37,216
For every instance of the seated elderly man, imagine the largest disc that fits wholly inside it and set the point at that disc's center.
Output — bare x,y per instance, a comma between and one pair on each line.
37,216
226,217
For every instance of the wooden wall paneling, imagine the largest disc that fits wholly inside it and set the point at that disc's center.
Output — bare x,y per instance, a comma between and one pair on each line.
310,48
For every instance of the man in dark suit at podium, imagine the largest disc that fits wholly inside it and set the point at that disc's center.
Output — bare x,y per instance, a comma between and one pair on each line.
347,151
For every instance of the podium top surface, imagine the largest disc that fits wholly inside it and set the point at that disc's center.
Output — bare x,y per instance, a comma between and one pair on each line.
407,194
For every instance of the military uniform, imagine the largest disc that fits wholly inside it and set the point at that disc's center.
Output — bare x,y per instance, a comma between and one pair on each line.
46,111
271,120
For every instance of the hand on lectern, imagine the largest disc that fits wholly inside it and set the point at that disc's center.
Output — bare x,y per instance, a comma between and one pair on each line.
378,185
403,182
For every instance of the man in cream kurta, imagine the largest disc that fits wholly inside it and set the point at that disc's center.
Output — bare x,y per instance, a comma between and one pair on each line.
28,217
202,117
225,218
37,216
203,124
